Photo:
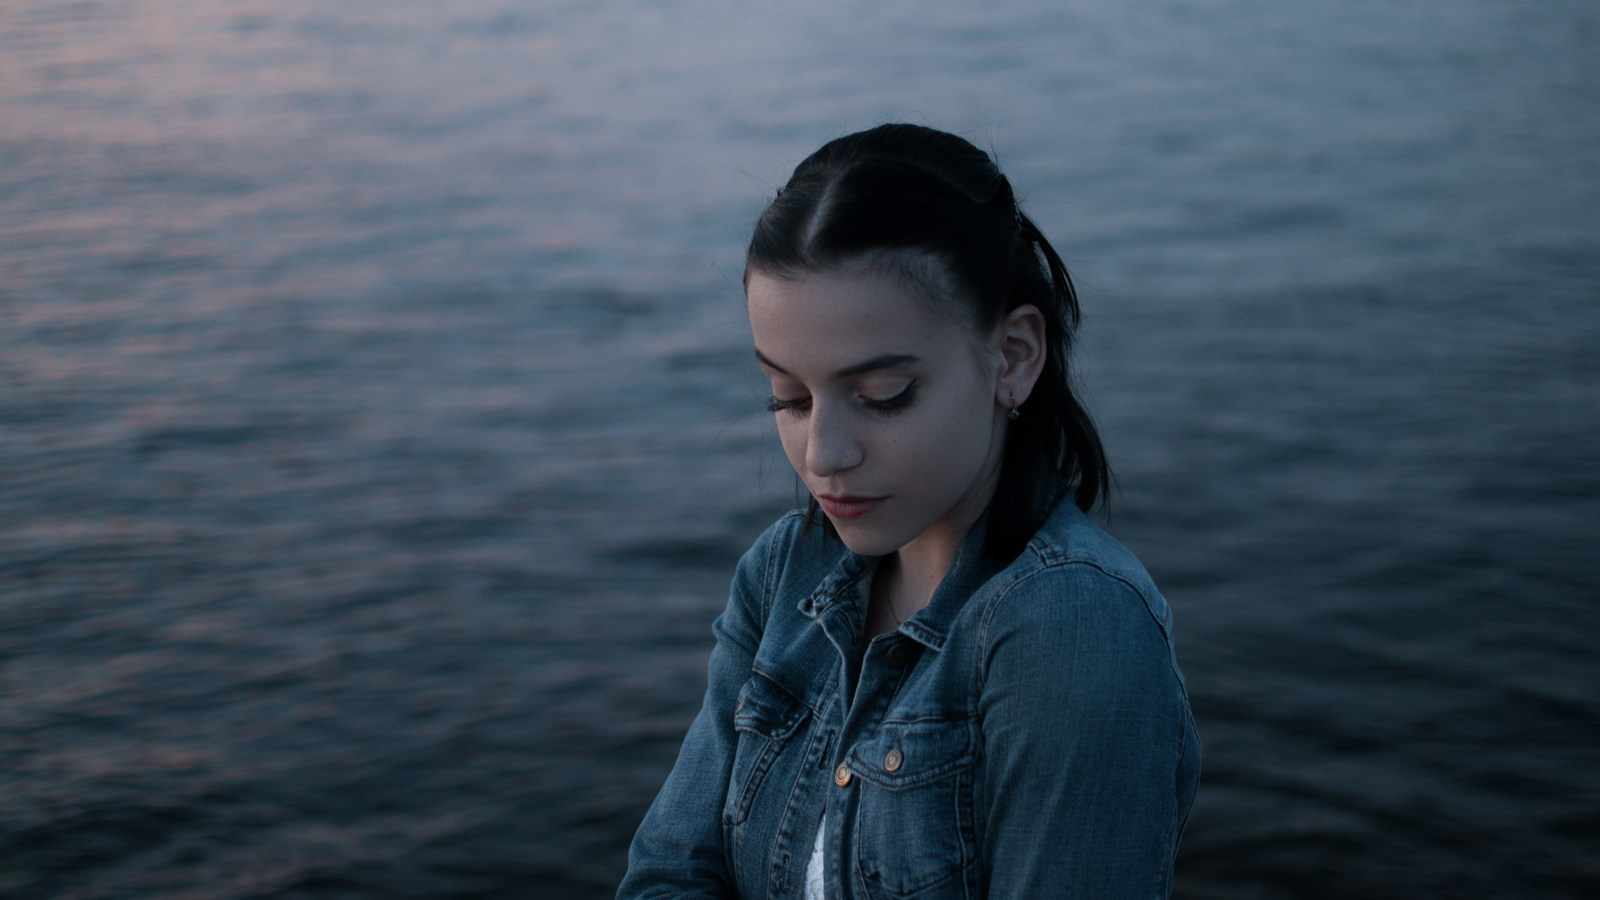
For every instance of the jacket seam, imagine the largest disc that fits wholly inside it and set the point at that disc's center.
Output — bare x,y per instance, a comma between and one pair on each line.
980,677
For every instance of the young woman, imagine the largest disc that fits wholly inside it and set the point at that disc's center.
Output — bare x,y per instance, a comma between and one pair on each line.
942,679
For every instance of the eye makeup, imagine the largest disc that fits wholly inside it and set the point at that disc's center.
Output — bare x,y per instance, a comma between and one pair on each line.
900,401
797,406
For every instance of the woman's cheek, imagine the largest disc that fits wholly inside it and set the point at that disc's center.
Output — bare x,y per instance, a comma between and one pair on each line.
792,436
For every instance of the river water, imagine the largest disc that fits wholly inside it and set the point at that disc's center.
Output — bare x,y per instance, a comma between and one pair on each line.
378,428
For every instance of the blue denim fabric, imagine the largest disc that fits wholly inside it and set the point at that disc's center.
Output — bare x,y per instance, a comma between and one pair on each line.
1026,735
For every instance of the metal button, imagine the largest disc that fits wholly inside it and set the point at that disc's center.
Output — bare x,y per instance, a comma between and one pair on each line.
841,775
899,654
893,761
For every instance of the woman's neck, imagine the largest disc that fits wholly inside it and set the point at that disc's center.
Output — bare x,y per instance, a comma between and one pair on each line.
907,579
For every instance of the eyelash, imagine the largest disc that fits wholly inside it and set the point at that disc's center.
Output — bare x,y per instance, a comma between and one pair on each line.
795,406
897,403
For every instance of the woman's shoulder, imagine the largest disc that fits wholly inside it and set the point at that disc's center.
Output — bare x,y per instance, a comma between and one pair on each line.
1072,565
1076,602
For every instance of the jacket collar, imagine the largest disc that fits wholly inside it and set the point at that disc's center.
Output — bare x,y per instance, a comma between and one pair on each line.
840,584
931,624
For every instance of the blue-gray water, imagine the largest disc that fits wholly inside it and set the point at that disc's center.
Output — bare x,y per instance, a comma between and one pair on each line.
378,428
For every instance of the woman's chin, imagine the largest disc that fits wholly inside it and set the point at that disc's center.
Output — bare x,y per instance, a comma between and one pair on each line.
863,539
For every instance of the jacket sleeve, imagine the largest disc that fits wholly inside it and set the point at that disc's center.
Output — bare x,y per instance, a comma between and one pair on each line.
1090,758
678,851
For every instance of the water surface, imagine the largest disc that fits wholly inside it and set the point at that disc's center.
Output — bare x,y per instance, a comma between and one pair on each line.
378,429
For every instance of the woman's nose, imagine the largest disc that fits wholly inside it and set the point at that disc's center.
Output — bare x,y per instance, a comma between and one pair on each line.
830,445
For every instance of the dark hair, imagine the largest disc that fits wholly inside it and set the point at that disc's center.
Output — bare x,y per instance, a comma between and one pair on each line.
909,188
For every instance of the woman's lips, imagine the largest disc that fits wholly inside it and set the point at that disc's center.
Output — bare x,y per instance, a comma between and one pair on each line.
848,506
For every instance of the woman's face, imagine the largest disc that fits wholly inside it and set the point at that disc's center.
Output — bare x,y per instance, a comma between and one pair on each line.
891,411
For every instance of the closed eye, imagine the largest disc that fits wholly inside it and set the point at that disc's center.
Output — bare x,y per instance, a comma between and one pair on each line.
797,406
898,402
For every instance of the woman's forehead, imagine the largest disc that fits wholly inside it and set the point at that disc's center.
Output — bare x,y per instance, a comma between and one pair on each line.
831,321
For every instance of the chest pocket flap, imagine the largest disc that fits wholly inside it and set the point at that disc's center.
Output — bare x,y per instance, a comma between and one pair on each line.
910,754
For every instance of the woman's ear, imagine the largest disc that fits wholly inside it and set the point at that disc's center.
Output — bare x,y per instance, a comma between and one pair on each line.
1022,354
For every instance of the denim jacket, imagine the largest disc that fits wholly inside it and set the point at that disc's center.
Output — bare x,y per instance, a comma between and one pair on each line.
1025,735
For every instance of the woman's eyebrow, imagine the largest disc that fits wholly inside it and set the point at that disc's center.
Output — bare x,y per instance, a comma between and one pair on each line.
883,361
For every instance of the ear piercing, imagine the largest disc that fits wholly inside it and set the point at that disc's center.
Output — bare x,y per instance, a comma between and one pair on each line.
1013,415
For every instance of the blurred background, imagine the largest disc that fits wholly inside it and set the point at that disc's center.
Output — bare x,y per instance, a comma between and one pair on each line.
378,428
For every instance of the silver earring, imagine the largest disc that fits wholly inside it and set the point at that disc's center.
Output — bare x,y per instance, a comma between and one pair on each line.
1013,415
